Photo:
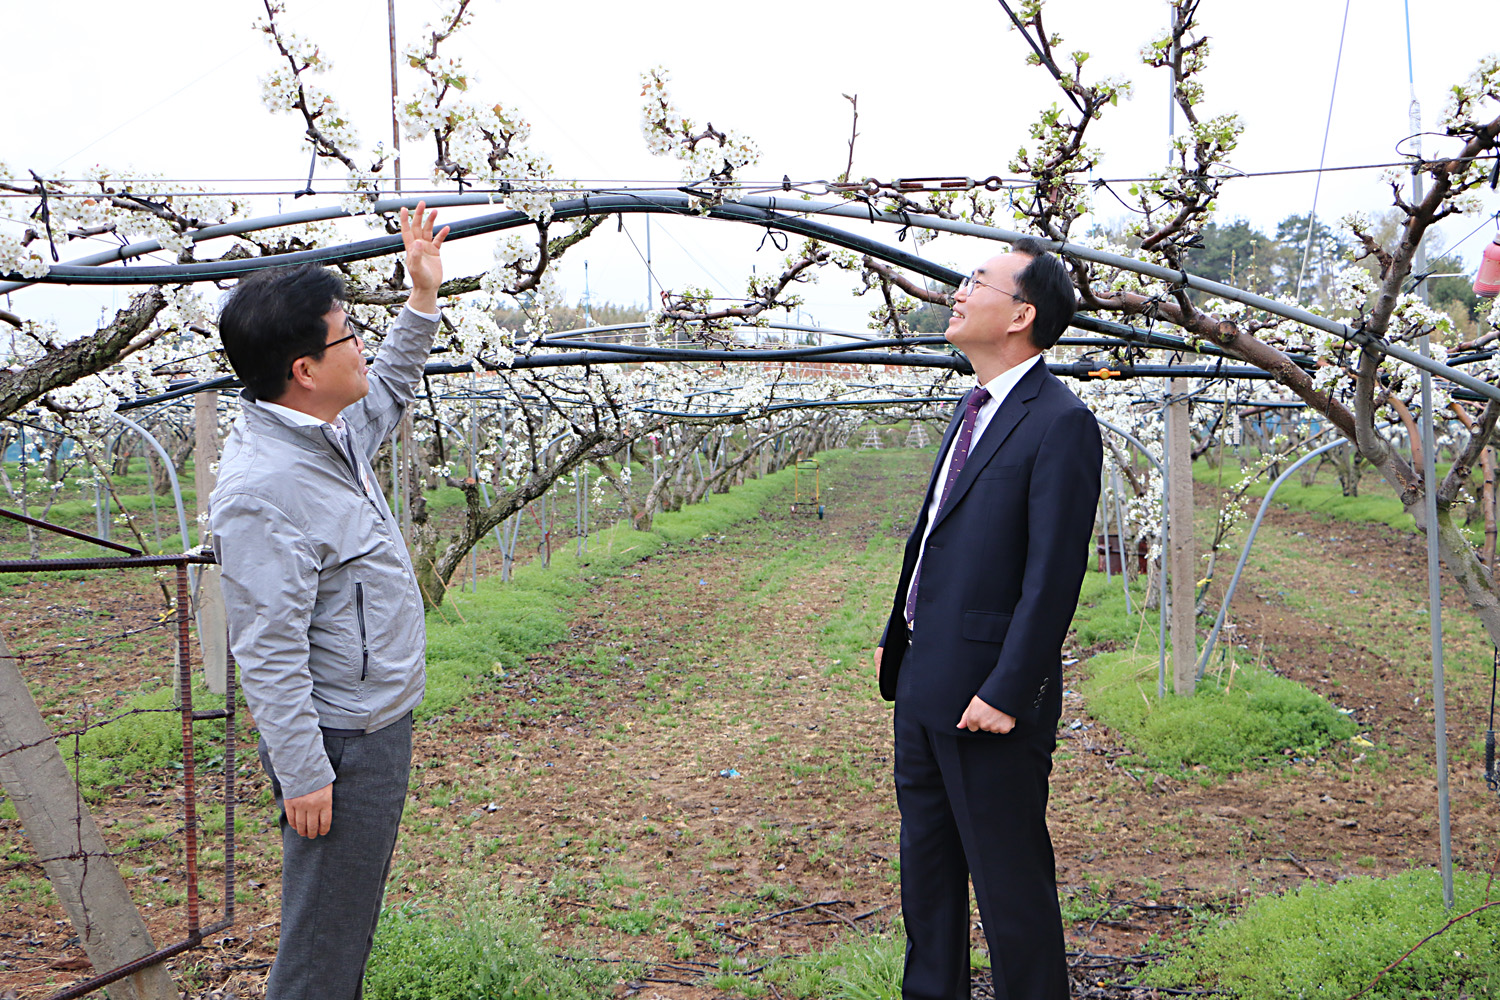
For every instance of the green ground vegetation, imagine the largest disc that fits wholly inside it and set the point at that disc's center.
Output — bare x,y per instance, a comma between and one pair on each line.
1241,715
1332,940
476,636
487,947
1239,718
1375,504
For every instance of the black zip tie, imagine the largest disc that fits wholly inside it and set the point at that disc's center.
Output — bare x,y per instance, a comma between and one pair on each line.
778,240
1495,174
308,190
45,211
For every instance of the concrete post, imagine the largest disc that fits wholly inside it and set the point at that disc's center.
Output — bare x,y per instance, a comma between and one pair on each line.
60,828
1181,559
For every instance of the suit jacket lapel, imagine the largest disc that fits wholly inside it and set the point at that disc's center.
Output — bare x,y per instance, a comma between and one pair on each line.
1012,411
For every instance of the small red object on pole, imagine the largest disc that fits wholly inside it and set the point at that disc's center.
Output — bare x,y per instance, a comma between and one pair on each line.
1487,281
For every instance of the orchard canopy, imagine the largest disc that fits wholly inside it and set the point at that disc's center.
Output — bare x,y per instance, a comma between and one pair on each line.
527,388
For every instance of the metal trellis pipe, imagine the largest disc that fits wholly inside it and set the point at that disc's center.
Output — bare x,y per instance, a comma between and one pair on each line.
166,460
1161,559
1234,581
758,210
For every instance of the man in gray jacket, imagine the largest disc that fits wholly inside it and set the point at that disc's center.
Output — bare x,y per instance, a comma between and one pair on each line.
324,615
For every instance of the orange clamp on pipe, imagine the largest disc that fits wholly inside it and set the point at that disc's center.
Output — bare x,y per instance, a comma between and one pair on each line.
1104,373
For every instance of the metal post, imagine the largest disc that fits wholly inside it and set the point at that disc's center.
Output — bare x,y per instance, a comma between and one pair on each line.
101,512
189,777
390,11
473,472
1120,526
1161,642
1265,505
1429,504
1161,567
182,524
1109,576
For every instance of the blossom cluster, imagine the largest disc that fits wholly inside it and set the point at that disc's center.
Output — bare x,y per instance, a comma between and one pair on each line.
709,155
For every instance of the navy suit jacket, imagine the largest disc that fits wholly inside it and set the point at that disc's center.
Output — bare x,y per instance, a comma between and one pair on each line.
1003,564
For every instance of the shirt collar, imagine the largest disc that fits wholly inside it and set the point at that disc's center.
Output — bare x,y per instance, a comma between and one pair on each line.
297,418
1000,386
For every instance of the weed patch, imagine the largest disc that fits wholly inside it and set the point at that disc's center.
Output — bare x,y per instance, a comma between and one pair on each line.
1331,940
486,949
146,742
858,967
1243,718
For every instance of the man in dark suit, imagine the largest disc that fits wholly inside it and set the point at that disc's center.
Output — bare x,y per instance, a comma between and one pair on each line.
972,654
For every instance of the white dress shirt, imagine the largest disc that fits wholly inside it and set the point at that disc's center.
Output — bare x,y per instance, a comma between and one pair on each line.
999,387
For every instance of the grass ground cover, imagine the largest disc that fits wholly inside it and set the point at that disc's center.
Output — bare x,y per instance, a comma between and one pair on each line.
1242,718
1240,715
478,636
694,780
1333,940
481,949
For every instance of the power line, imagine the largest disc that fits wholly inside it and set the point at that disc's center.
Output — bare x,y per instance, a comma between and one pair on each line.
1312,215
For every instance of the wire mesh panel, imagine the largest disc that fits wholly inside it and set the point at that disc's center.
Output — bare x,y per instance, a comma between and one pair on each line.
117,830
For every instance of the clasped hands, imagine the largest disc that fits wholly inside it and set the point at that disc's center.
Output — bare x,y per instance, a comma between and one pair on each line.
979,716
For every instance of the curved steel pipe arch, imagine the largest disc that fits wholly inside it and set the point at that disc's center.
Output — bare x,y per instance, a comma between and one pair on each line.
756,210
166,461
1265,505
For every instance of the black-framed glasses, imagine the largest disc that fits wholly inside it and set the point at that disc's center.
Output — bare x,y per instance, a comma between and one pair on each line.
972,281
308,354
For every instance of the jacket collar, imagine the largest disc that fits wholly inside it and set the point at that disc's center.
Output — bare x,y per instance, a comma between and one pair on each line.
313,437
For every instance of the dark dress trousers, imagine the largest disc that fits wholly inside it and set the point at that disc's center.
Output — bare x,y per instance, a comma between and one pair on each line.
998,588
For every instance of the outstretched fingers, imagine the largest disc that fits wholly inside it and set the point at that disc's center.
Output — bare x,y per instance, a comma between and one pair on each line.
417,228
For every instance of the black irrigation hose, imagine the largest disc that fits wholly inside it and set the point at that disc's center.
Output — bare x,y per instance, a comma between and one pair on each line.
573,208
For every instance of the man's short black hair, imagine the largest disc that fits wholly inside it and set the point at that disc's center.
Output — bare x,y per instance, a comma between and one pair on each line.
274,317
1046,285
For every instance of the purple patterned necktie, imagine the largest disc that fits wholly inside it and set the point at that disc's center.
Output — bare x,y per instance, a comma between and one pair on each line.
977,399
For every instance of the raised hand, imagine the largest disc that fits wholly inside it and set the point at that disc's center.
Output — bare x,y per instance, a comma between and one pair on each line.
424,258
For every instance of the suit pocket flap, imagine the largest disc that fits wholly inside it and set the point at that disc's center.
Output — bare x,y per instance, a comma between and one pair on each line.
985,626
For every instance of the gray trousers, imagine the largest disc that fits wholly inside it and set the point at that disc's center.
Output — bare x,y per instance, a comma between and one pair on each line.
332,886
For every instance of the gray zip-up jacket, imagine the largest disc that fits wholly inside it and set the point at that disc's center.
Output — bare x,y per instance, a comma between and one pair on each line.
324,615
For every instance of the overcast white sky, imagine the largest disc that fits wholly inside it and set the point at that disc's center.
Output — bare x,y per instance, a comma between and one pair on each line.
171,87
